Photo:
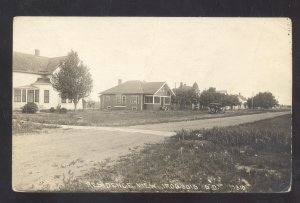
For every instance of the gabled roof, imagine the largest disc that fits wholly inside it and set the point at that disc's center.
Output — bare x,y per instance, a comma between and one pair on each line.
30,63
151,87
242,97
42,80
135,87
184,87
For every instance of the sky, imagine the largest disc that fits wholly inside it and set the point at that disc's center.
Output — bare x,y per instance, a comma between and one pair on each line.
240,55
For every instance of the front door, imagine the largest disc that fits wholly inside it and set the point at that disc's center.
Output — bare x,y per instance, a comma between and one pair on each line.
30,96
162,101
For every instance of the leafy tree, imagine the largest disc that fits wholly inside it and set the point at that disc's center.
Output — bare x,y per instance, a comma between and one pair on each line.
212,96
264,100
186,95
73,80
195,94
249,102
183,97
232,100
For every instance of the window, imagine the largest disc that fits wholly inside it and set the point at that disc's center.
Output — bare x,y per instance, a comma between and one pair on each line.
148,99
30,96
37,96
118,99
63,100
70,100
167,100
23,95
17,95
156,100
46,96
123,99
134,100
107,98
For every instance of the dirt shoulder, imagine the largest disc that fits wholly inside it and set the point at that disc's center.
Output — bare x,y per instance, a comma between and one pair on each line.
41,160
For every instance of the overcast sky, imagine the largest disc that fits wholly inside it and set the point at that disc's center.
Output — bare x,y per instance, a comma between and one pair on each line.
235,54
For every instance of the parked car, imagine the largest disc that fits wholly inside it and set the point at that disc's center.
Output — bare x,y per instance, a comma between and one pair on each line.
215,108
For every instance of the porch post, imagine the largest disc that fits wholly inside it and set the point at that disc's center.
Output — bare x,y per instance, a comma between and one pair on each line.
142,101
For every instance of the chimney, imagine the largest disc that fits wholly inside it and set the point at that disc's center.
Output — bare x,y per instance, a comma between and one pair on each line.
119,81
37,52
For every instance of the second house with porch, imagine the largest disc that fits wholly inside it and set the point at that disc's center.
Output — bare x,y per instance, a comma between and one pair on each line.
137,95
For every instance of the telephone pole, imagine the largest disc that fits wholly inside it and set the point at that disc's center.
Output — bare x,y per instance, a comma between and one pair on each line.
252,101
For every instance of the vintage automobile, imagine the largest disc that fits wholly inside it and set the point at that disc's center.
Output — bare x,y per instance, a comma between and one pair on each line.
215,108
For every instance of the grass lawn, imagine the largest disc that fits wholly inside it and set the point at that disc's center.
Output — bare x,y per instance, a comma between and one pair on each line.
123,117
253,157
23,127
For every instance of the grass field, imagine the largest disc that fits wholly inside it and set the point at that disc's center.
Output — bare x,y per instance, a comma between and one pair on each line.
23,127
253,157
123,118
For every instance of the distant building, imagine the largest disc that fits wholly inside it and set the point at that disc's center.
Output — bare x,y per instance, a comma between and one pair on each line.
243,101
184,99
222,91
31,81
137,95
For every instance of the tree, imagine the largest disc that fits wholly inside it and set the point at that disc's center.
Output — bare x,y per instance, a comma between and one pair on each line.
195,94
232,100
186,95
264,100
73,80
183,96
212,96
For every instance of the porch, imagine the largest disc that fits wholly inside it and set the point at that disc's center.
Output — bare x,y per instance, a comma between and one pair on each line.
29,94
156,102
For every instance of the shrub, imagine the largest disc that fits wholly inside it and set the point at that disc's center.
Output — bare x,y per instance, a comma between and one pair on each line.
52,109
62,110
58,108
30,108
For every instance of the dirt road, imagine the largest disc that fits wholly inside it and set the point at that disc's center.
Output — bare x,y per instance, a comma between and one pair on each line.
209,123
42,160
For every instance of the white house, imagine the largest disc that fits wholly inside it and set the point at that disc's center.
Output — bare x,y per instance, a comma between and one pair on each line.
243,101
31,82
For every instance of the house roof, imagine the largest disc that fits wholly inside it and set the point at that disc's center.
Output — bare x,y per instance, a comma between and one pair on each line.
242,97
42,80
30,63
152,87
135,87
222,91
26,87
185,87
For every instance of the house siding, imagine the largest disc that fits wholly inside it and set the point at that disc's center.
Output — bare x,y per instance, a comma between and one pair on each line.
112,102
161,92
22,79
152,107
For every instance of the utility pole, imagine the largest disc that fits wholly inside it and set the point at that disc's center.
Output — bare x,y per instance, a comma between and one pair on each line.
252,101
